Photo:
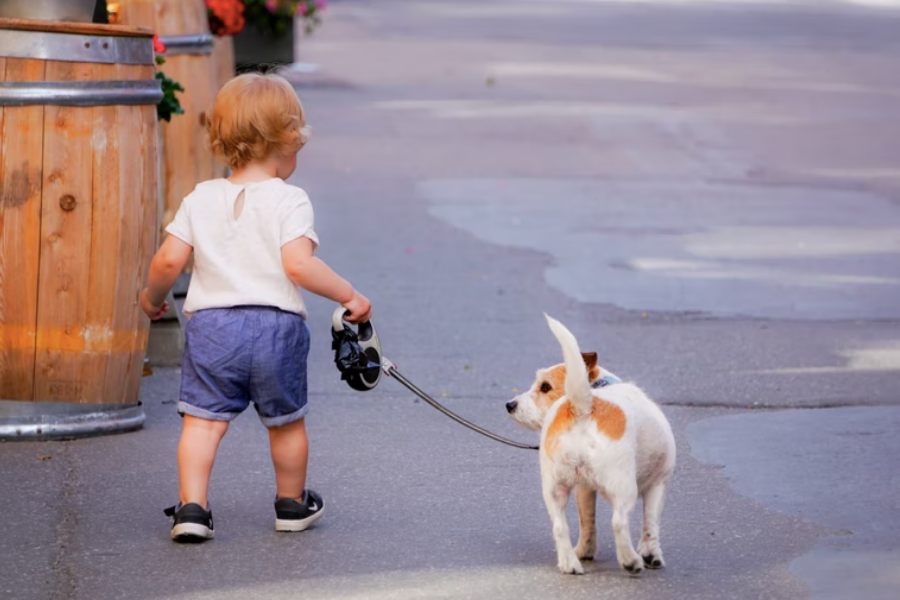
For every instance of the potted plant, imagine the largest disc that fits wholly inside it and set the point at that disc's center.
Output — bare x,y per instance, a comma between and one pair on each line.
267,37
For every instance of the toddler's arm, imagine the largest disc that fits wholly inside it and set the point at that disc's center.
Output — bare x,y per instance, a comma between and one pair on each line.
312,274
167,265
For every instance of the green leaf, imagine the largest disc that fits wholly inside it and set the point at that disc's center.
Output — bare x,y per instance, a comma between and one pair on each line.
169,105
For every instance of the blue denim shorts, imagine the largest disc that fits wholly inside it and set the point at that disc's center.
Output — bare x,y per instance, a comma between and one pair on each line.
235,356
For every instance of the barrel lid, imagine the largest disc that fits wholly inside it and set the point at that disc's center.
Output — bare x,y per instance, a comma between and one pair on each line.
75,28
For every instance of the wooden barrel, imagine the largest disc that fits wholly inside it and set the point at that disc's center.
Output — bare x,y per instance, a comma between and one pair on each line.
78,218
183,27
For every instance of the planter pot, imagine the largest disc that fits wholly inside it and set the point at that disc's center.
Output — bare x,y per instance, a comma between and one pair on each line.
49,10
254,50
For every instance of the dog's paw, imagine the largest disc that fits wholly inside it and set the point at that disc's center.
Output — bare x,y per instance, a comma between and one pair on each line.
632,562
570,565
634,567
586,551
654,561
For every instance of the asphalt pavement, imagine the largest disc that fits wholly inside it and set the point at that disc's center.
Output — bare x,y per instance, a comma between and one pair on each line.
706,193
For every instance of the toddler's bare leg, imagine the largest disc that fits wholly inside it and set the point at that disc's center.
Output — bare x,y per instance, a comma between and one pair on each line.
290,451
196,453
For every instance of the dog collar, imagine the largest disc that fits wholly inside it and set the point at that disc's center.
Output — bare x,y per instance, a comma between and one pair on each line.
608,379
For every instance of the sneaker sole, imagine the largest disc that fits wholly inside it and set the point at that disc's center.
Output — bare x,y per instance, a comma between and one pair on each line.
192,533
298,524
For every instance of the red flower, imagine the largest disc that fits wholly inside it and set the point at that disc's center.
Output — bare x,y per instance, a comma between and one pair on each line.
158,46
226,17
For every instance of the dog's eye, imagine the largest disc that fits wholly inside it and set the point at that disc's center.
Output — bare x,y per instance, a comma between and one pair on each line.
546,387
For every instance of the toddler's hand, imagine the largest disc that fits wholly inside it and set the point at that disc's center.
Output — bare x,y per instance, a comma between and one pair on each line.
151,310
360,308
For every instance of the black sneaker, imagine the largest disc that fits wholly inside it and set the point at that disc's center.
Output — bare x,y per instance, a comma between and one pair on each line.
191,523
293,515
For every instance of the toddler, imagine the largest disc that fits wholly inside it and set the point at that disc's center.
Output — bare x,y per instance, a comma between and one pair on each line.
253,243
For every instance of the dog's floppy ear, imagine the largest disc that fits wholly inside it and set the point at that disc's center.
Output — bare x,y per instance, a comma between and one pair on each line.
590,360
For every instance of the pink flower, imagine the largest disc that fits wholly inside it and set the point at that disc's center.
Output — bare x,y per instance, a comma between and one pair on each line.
302,8
321,4
272,6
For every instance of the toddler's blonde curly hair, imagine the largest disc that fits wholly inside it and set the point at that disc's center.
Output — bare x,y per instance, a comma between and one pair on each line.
255,116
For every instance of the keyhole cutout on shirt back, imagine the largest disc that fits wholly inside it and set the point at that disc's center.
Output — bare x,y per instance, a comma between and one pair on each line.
239,205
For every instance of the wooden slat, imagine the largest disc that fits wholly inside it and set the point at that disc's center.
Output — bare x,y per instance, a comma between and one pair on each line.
194,15
181,17
149,226
166,17
126,315
4,347
76,28
104,249
140,13
2,78
223,60
21,155
65,241
126,310
147,211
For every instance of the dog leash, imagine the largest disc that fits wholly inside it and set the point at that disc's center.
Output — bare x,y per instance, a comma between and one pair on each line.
358,356
391,370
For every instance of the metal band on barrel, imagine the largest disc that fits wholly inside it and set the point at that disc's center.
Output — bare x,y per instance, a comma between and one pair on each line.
68,47
20,420
80,93
188,44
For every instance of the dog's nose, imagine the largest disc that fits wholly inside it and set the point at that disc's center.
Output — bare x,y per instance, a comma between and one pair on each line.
511,406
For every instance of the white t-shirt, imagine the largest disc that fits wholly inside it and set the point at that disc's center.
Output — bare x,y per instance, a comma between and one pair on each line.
237,261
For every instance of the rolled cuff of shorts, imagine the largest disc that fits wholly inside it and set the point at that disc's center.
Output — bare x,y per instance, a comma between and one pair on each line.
201,413
284,419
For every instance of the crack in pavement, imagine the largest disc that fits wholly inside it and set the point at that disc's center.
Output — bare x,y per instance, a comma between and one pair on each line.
65,584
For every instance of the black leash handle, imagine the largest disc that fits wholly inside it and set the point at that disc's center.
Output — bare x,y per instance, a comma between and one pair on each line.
391,370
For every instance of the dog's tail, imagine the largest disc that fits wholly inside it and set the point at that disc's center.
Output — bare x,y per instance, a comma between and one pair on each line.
578,387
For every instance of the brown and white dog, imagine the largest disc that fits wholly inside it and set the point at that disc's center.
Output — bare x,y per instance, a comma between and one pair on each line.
611,440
